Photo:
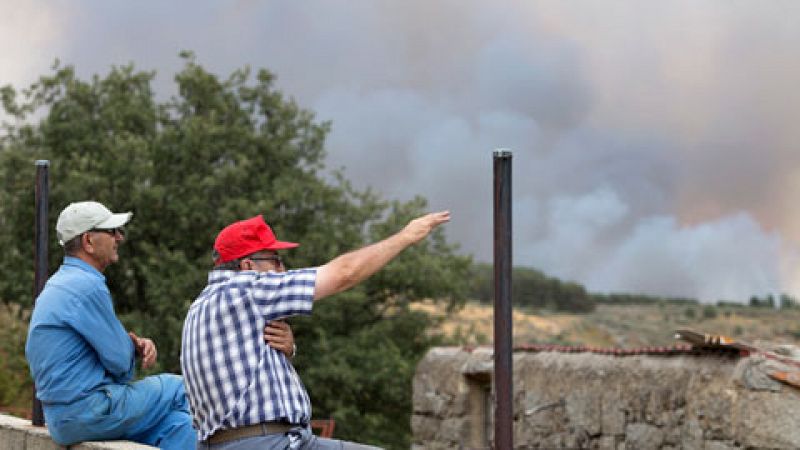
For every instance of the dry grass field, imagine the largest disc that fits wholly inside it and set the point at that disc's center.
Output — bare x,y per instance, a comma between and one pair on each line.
623,325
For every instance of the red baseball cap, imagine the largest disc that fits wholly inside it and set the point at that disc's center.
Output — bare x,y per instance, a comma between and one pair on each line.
245,237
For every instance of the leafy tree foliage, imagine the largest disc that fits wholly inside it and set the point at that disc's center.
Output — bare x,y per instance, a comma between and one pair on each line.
15,383
215,152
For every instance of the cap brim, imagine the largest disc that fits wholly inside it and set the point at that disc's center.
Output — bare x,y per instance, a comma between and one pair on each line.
115,221
280,245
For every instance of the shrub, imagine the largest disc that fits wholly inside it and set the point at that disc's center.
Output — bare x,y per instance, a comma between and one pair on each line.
709,312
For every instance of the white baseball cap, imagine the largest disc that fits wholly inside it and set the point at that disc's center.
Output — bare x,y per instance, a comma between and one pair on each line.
80,217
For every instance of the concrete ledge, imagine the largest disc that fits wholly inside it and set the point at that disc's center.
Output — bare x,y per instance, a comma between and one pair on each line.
19,434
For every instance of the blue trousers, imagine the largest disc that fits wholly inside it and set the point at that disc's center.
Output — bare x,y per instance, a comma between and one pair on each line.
151,411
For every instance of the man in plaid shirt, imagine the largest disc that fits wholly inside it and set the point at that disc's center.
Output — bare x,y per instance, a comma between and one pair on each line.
244,394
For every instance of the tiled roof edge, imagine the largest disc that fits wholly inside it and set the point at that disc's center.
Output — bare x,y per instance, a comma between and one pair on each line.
678,349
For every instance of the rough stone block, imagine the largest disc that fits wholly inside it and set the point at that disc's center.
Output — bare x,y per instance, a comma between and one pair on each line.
721,445
692,436
18,434
12,432
612,416
768,419
11,439
424,428
712,406
642,435
584,411
607,443
37,441
454,430
557,440
480,363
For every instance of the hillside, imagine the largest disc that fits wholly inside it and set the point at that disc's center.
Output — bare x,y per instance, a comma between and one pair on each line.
623,325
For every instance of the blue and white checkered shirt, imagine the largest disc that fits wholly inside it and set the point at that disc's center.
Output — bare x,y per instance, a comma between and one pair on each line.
233,378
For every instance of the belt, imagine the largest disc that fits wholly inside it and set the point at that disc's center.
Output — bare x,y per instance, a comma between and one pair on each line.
259,429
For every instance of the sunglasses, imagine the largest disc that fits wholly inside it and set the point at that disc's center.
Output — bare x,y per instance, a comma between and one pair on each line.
111,231
275,258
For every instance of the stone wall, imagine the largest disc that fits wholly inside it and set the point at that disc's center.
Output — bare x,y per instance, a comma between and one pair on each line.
19,434
595,401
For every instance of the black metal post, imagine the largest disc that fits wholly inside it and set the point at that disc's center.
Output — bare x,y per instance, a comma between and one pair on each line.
41,268
503,383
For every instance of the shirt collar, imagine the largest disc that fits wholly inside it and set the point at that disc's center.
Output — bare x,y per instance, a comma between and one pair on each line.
80,264
220,276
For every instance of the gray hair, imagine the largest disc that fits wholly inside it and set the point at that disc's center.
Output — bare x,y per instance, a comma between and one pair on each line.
72,246
230,265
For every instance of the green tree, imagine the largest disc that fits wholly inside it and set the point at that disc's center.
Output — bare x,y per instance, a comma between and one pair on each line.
787,301
218,151
710,312
767,302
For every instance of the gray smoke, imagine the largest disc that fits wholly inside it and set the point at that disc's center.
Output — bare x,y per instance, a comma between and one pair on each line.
653,142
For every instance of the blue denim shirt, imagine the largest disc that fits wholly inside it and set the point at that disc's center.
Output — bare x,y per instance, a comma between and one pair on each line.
75,341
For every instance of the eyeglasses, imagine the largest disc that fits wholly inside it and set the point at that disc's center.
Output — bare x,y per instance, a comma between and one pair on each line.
275,258
111,231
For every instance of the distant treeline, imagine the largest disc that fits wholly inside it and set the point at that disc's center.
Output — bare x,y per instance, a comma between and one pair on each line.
640,299
784,301
533,289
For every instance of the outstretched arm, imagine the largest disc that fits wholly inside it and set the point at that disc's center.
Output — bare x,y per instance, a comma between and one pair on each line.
346,271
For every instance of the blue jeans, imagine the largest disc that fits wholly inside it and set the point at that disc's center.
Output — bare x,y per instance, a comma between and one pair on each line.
299,438
151,411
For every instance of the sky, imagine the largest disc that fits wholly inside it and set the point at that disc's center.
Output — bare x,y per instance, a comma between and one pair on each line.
654,143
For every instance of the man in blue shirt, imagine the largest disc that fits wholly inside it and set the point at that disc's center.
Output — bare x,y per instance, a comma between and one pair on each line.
243,394
82,359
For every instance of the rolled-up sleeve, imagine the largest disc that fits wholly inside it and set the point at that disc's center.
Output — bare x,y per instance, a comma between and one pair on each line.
284,294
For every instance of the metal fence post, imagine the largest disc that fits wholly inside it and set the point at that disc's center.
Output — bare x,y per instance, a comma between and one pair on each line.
504,387
40,257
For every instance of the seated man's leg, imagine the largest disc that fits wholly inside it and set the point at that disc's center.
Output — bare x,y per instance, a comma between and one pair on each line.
85,420
163,417
153,411
173,431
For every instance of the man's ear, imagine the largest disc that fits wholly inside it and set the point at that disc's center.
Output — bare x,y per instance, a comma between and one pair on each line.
86,243
245,264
